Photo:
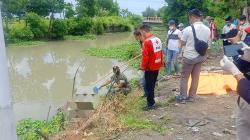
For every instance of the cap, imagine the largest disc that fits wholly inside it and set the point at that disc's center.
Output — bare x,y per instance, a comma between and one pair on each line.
229,18
181,25
171,22
195,12
230,34
243,17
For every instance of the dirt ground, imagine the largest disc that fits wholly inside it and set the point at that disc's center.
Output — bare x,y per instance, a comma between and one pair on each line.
208,118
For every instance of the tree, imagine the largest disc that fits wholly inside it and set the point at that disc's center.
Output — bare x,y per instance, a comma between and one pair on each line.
86,8
69,11
41,7
110,6
125,13
150,12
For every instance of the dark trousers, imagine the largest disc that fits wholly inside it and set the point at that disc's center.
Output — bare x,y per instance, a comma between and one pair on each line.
150,80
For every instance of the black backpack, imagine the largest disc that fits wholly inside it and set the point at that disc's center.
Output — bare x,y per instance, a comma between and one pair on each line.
199,45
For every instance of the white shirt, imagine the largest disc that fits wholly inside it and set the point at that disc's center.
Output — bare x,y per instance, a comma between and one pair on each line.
174,39
227,28
202,33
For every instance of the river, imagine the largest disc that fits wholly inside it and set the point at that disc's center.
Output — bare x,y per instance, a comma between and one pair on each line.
42,76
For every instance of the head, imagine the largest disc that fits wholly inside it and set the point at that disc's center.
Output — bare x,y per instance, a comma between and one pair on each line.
229,20
208,18
212,20
172,25
242,19
116,70
138,36
181,26
145,30
195,15
234,36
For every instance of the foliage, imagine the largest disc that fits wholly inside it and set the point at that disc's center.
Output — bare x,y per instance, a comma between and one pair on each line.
135,20
98,27
20,33
59,29
29,129
40,7
78,38
219,8
110,6
86,8
69,11
149,12
123,52
80,26
37,25
21,43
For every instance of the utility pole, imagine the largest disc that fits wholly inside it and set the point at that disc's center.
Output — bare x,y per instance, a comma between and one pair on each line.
7,121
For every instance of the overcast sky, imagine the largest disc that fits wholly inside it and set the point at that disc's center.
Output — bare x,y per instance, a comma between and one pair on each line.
137,6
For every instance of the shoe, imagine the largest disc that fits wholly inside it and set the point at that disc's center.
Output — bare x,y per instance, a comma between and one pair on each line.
148,108
167,77
180,99
190,99
177,75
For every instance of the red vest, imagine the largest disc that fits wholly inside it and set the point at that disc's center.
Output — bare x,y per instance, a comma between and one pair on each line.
152,55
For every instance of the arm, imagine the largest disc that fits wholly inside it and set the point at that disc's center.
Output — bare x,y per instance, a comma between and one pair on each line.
105,84
145,55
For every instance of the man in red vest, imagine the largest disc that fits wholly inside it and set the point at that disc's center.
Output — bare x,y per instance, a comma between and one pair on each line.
152,61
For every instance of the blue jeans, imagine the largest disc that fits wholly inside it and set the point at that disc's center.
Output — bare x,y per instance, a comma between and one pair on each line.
172,57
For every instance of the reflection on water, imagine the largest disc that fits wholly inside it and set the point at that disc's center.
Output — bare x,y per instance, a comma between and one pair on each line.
42,76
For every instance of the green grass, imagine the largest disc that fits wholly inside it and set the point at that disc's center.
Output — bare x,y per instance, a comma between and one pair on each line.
26,43
123,52
29,129
136,118
79,38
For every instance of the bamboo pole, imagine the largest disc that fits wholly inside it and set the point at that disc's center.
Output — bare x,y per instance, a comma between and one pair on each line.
7,121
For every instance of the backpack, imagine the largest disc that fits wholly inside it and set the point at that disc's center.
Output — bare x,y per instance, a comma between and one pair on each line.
199,45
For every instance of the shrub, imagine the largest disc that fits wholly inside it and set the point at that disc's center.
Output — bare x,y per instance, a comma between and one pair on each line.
98,27
80,26
20,33
59,29
37,25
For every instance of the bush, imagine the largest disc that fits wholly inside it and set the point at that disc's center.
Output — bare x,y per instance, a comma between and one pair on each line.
135,20
59,29
20,33
37,25
98,27
80,26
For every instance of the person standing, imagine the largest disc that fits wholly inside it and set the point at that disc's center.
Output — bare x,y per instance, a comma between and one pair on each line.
174,44
213,31
152,61
192,60
227,28
243,25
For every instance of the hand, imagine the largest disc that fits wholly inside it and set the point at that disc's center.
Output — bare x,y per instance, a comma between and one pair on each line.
229,66
246,55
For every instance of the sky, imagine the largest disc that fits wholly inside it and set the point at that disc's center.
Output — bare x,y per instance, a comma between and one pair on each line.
137,6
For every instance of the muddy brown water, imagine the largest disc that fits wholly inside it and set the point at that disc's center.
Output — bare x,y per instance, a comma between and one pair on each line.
42,76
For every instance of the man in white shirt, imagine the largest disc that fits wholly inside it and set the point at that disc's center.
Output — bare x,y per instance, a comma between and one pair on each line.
227,28
174,44
192,60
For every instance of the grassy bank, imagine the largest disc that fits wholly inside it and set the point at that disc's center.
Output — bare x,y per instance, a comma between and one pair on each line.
29,129
122,52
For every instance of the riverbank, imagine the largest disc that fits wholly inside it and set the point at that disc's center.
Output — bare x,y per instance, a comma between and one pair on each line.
123,118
